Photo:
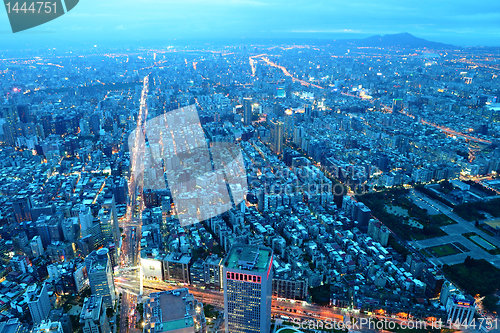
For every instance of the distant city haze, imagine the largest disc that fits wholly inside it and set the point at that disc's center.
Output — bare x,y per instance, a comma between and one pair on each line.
157,22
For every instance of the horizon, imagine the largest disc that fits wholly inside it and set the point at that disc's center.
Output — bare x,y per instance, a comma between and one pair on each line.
160,21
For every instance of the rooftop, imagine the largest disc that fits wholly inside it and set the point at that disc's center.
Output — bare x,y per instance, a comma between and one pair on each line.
173,310
47,327
91,308
248,257
174,325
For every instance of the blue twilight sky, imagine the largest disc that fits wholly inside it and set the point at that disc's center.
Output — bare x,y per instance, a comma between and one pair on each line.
143,22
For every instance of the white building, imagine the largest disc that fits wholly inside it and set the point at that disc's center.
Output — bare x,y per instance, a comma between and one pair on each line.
38,302
36,246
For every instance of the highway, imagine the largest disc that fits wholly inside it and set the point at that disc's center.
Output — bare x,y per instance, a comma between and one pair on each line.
283,69
127,281
290,309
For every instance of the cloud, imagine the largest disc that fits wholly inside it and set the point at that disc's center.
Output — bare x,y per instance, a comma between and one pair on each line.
328,31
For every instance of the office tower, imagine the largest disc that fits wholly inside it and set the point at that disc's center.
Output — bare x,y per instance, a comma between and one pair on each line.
277,136
22,208
86,245
101,276
95,125
47,326
38,302
212,268
248,279
247,111
36,246
109,219
307,111
84,127
166,204
93,316
69,228
177,267
434,280
10,114
362,215
21,243
120,190
25,114
85,217
174,311
96,233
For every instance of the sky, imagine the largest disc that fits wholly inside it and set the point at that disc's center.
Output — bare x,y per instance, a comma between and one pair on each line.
143,22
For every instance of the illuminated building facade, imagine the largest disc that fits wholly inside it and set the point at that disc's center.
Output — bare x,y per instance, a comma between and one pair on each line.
248,279
460,309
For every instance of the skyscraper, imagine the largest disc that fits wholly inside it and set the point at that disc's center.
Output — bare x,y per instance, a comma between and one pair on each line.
38,302
248,279
36,246
10,114
247,111
22,208
101,276
277,136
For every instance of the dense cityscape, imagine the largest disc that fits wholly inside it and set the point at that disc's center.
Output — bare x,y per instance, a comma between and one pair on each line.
259,187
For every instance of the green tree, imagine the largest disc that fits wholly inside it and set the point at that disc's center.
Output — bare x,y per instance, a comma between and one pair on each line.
490,303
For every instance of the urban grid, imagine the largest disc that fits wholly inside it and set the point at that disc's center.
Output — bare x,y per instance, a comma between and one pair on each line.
250,187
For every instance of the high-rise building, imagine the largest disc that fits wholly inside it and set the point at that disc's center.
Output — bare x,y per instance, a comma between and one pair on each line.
212,271
247,111
277,136
85,217
176,267
38,302
10,114
248,289
362,215
86,245
93,316
22,208
100,275
36,246
108,217
174,311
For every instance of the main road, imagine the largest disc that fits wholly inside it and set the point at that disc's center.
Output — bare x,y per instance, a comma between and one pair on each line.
131,224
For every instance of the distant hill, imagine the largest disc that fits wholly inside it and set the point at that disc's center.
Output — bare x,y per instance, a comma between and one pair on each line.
404,39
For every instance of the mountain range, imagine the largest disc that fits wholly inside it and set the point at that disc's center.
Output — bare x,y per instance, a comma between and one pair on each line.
405,40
